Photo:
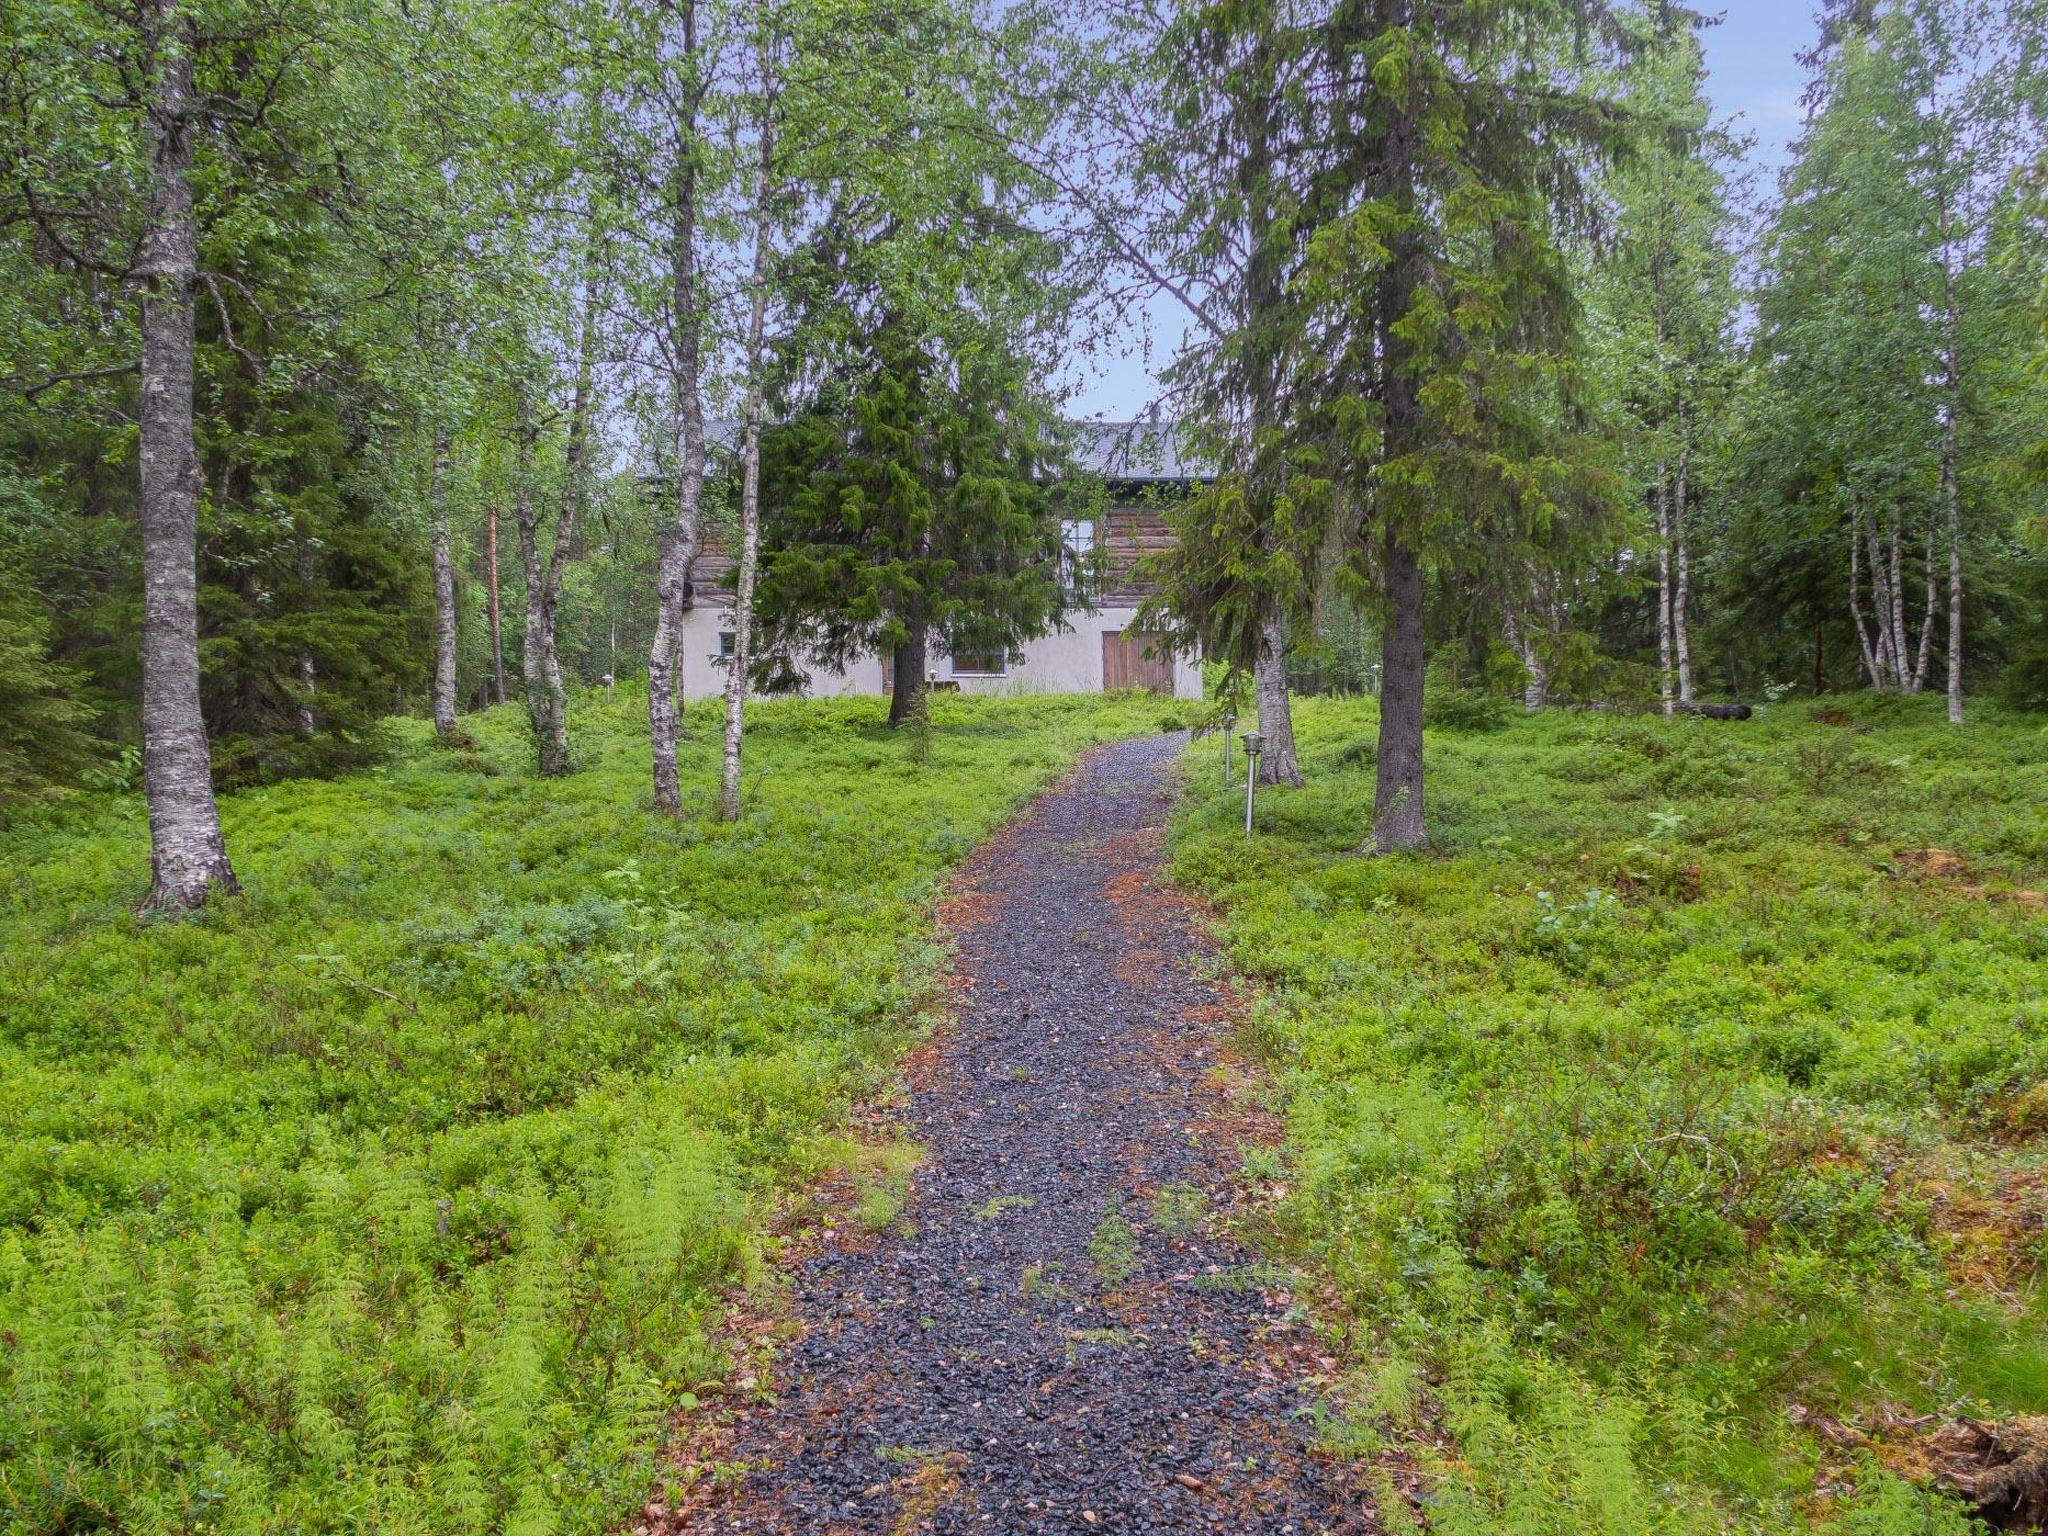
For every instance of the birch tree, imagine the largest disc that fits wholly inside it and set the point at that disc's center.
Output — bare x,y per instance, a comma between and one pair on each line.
754,364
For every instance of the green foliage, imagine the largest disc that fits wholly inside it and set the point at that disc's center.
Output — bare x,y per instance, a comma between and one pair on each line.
1683,1088
42,741
908,501
401,1193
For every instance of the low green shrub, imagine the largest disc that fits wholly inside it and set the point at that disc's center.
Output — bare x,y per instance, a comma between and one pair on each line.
1674,1092
401,1193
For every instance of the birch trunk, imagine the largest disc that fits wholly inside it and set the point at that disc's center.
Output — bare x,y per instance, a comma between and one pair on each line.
1280,764
188,857
1535,670
750,476
491,588
1681,595
547,700
679,541
1923,659
1900,650
1953,387
1869,647
1880,597
1664,588
545,709
444,589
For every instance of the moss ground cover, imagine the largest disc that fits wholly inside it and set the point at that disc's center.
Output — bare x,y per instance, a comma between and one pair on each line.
396,1194
1671,1135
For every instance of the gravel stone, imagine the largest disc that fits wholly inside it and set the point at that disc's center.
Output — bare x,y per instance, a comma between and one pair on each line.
1026,1350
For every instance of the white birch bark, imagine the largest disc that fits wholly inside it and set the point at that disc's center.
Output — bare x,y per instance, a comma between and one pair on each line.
1681,595
679,540
750,471
188,856
1664,587
444,588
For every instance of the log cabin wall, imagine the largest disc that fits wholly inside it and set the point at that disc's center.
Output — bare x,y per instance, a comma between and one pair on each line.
1133,533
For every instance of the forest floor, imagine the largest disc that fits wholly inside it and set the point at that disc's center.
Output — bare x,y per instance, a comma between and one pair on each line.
403,1192
1669,1142
1054,1331
1664,1153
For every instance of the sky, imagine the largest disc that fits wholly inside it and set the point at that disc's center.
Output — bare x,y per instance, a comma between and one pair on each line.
1753,79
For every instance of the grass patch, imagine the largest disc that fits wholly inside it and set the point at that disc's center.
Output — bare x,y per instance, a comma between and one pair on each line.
1113,1246
399,1194
1681,1099
1002,1203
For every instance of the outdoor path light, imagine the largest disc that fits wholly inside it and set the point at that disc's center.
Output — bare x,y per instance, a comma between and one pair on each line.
1229,723
1254,743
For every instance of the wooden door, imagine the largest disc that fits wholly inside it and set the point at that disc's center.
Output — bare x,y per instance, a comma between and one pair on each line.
1134,659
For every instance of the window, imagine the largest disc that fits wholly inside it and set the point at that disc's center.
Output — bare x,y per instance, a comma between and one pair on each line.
1077,553
727,638
970,663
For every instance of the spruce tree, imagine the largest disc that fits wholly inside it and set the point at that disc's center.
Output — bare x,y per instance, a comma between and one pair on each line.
908,504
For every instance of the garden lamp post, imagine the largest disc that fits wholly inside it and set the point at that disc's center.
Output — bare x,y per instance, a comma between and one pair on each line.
1229,724
1254,744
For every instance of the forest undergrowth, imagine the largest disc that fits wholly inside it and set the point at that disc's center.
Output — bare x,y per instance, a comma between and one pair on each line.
1669,1139
400,1193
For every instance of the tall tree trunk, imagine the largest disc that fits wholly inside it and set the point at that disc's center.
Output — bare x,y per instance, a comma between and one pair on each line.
1664,588
1881,600
1923,659
750,467
188,857
679,540
1681,554
906,673
1901,651
491,587
1397,791
444,588
309,674
1264,300
1280,763
1952,381
547,701
1397,794
545,708
1535,670
1872,648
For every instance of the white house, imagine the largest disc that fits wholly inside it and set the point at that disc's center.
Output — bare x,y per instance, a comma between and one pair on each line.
1096,647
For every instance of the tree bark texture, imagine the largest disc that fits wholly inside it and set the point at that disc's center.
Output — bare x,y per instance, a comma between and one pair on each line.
1280,764
188,856
907,669
309,673
1397,797
491,587
546,708
1951,491
1664,589
750,482
679,541
1681,555
444,588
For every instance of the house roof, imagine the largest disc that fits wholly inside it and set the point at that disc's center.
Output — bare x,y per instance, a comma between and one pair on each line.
1144,451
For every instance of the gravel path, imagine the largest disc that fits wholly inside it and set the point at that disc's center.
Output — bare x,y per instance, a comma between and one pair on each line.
1050,1338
